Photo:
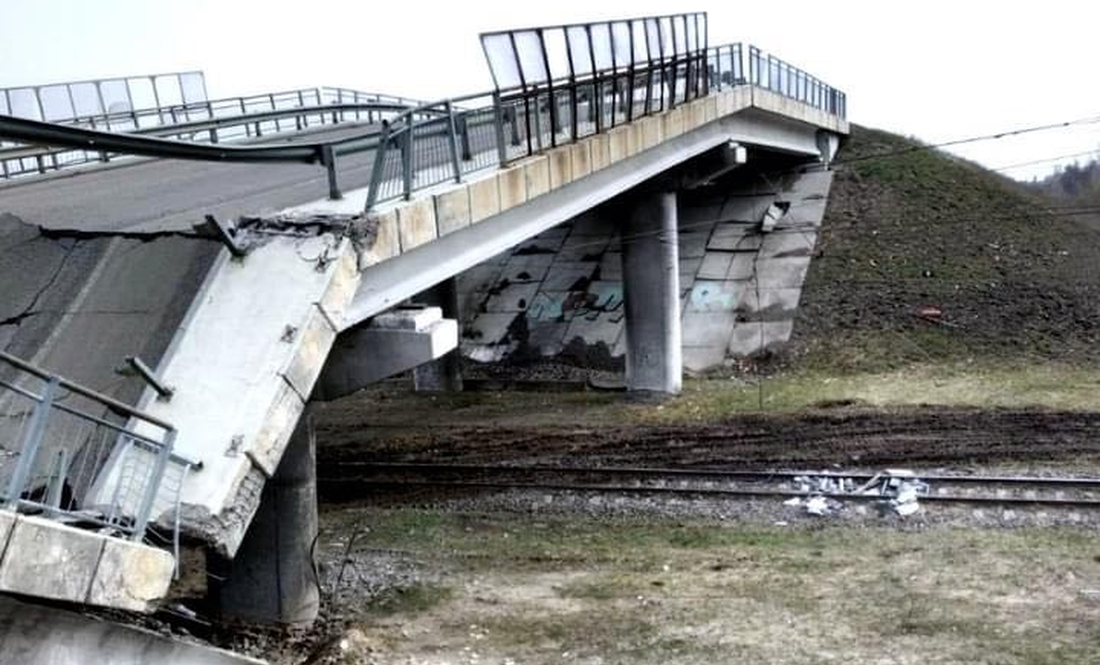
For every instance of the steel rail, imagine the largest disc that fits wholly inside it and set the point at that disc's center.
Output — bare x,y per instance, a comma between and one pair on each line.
719,474
714,491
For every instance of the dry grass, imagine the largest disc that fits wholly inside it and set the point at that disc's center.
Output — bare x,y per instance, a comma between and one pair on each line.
523,591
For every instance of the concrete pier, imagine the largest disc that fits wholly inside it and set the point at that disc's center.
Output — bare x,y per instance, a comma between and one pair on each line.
443,374
651,296
272,579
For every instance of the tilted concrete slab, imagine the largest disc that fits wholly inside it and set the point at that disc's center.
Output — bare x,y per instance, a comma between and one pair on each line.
243,364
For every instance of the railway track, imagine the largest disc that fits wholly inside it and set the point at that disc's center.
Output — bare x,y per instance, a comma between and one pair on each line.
352,479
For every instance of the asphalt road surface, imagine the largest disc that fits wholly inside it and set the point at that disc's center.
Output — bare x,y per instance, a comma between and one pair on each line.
157,195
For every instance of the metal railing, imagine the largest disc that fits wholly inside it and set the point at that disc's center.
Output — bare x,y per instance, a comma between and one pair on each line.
768,71
216,121
430,144
79,457
61,102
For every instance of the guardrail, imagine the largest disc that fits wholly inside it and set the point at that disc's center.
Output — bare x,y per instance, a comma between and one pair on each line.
73,455
220,120
444,141
768,71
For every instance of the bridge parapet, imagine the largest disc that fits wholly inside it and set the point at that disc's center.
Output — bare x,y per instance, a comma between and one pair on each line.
67,531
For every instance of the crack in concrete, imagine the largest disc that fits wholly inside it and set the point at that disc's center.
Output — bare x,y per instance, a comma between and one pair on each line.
144,236
32,308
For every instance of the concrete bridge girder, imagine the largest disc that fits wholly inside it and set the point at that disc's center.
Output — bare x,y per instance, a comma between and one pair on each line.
395,279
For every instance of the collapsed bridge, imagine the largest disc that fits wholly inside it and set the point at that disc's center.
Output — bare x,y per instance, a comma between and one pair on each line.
187,288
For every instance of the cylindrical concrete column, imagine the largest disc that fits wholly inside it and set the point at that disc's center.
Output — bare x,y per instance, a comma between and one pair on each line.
444,374
273,578
651,296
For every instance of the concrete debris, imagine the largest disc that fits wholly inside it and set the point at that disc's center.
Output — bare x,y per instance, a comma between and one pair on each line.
817,505
900,490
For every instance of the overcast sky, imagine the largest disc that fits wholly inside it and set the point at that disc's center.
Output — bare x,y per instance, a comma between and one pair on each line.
935,69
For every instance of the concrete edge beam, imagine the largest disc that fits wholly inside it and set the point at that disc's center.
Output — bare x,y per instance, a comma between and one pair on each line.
46,559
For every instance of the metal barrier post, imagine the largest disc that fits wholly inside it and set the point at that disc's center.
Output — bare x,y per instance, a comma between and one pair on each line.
407,160
155,476
498,122
328,159
452,143
31,440
464,137
376,171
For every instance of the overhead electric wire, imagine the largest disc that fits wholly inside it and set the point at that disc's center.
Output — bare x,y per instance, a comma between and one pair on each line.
971,139
1009,167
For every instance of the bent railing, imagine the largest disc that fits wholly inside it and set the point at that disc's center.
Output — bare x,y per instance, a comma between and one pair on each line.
58,443
220,120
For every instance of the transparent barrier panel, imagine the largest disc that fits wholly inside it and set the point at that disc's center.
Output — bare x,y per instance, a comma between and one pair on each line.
168,91
142,95
529,50
620,41
193,87
86,99
116,96
56,104
557,53
601,46
502,60
580,50
24,103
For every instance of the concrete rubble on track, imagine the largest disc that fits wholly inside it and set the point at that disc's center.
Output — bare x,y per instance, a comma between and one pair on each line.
899,489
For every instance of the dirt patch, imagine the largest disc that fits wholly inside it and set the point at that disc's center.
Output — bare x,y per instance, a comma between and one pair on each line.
929,437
